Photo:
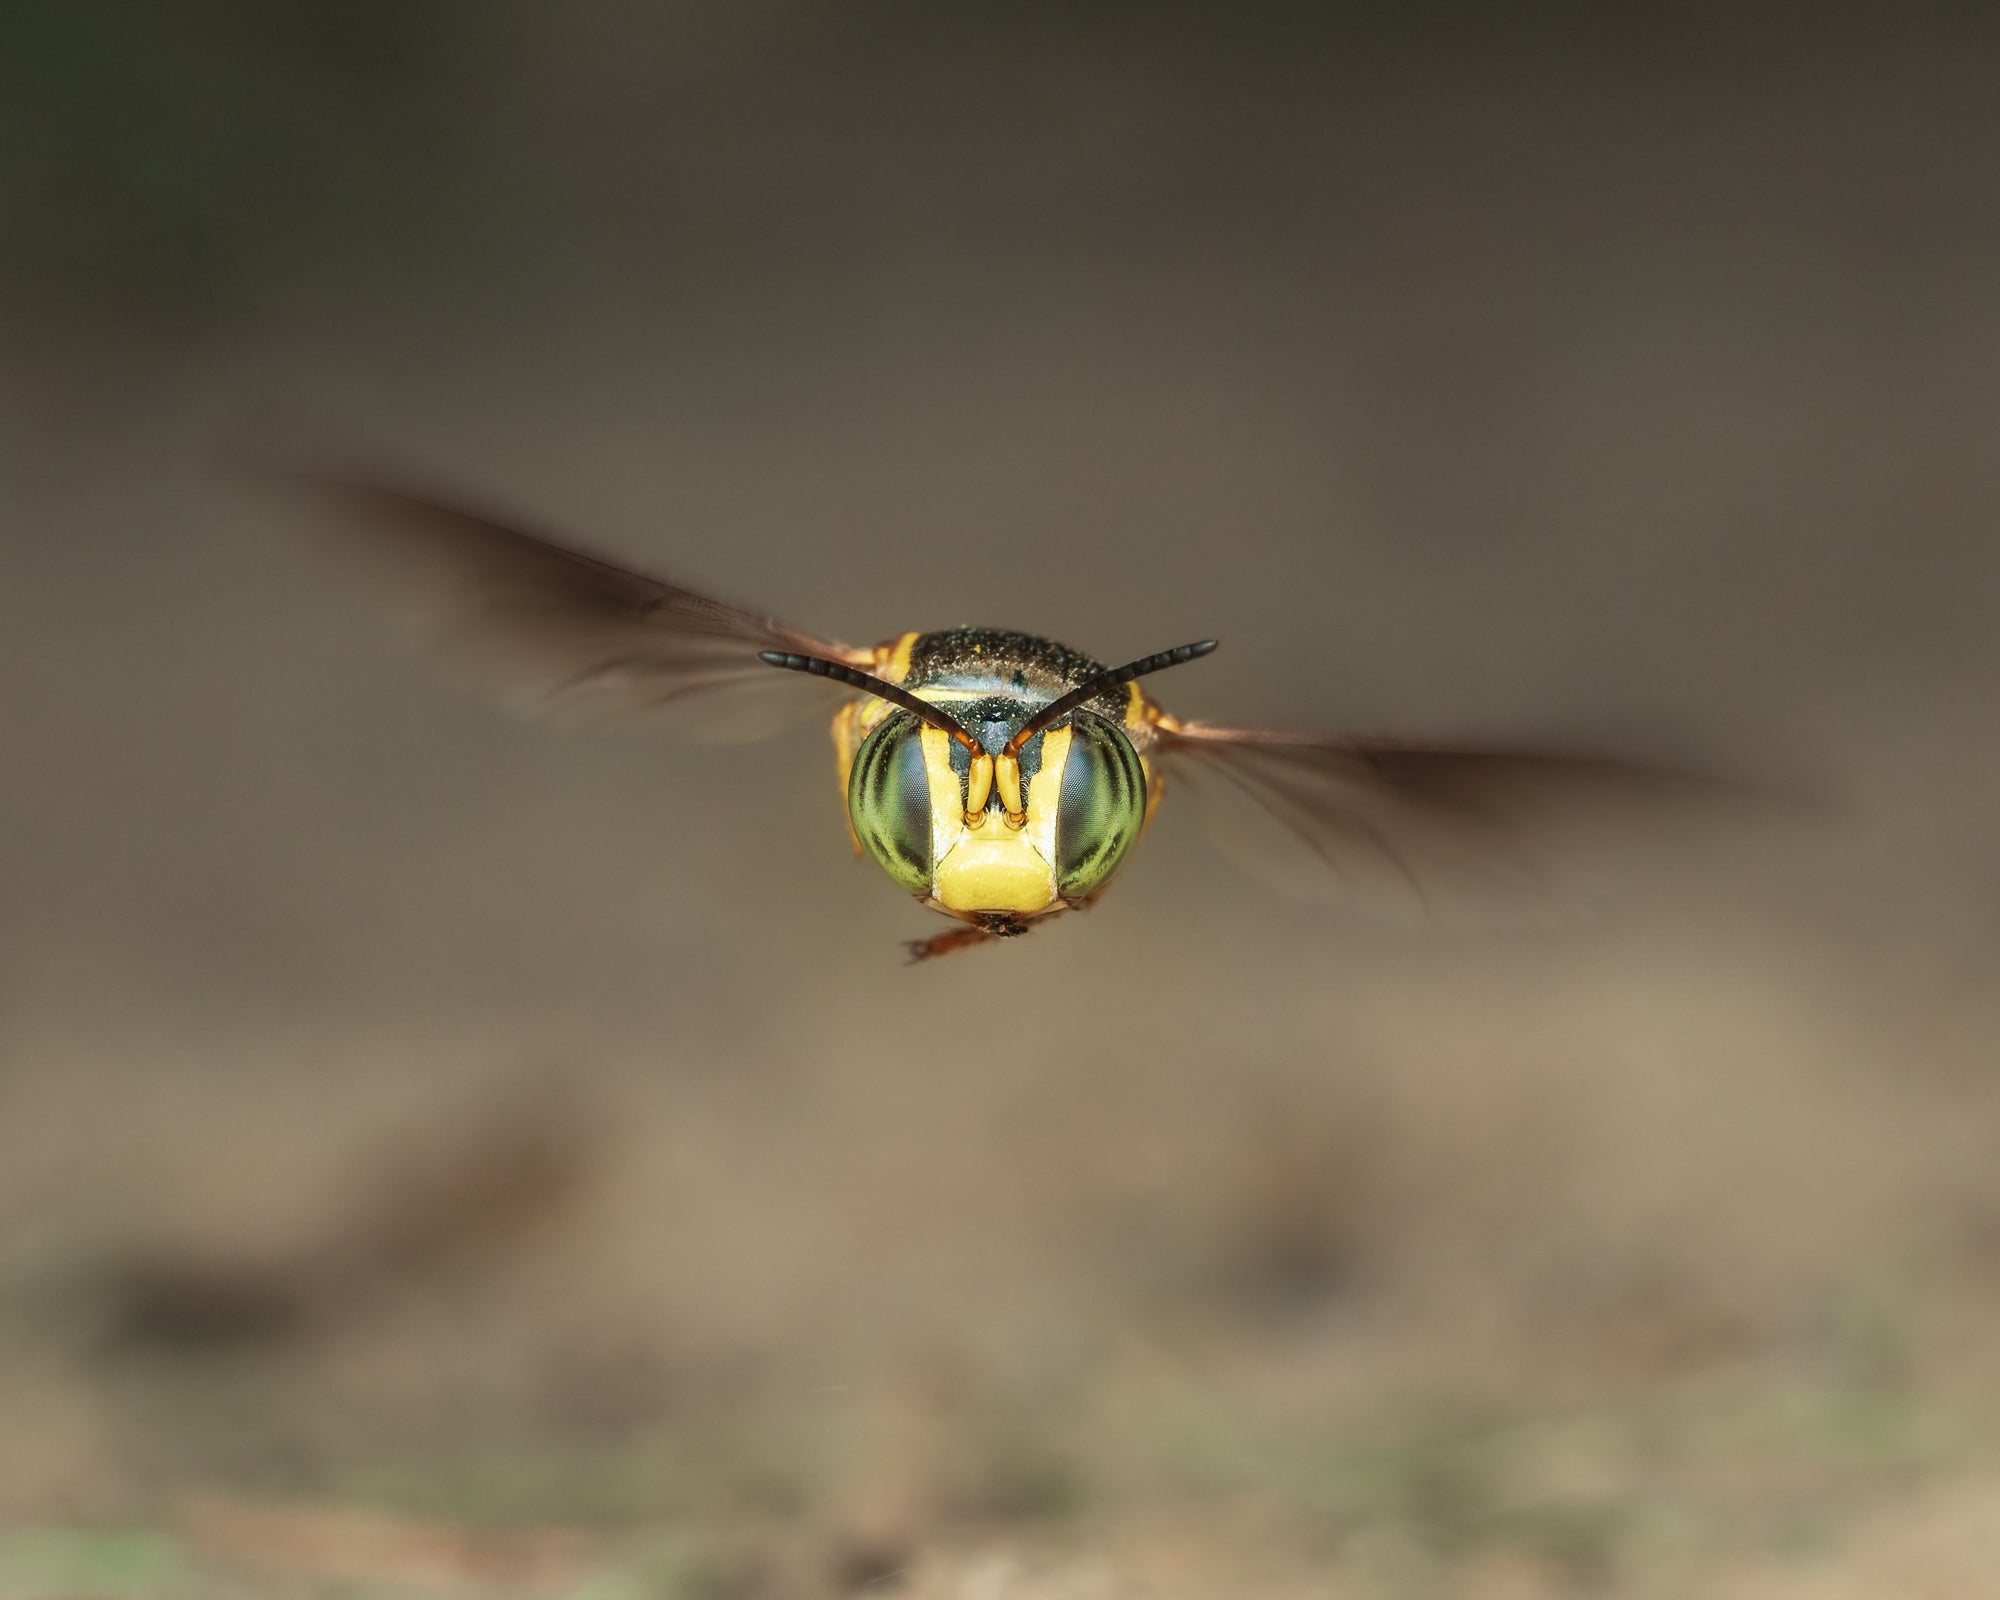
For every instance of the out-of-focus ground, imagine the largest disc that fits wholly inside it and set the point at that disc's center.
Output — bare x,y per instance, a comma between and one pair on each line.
441,1156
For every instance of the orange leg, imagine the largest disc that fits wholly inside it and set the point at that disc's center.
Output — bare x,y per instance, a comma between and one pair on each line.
942,944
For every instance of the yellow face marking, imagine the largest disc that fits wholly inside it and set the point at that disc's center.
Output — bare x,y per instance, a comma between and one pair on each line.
1044,794
990,866
984,873
947,803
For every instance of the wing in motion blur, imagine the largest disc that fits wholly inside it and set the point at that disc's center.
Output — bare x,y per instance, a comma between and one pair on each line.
1421,833
566,634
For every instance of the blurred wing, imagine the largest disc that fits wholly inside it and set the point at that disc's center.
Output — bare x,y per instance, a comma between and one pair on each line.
567,635
1421,833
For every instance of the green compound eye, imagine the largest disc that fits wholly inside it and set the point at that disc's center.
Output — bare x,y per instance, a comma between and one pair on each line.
889,801
1102,807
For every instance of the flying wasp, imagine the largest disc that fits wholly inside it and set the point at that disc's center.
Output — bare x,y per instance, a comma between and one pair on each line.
997,777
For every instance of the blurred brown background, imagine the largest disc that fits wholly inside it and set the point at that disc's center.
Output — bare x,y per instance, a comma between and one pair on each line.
438,1152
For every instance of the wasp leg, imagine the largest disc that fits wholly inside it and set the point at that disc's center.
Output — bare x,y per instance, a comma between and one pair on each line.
942,944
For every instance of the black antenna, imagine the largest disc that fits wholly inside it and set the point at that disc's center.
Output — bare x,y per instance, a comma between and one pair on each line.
1098,685
923,710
